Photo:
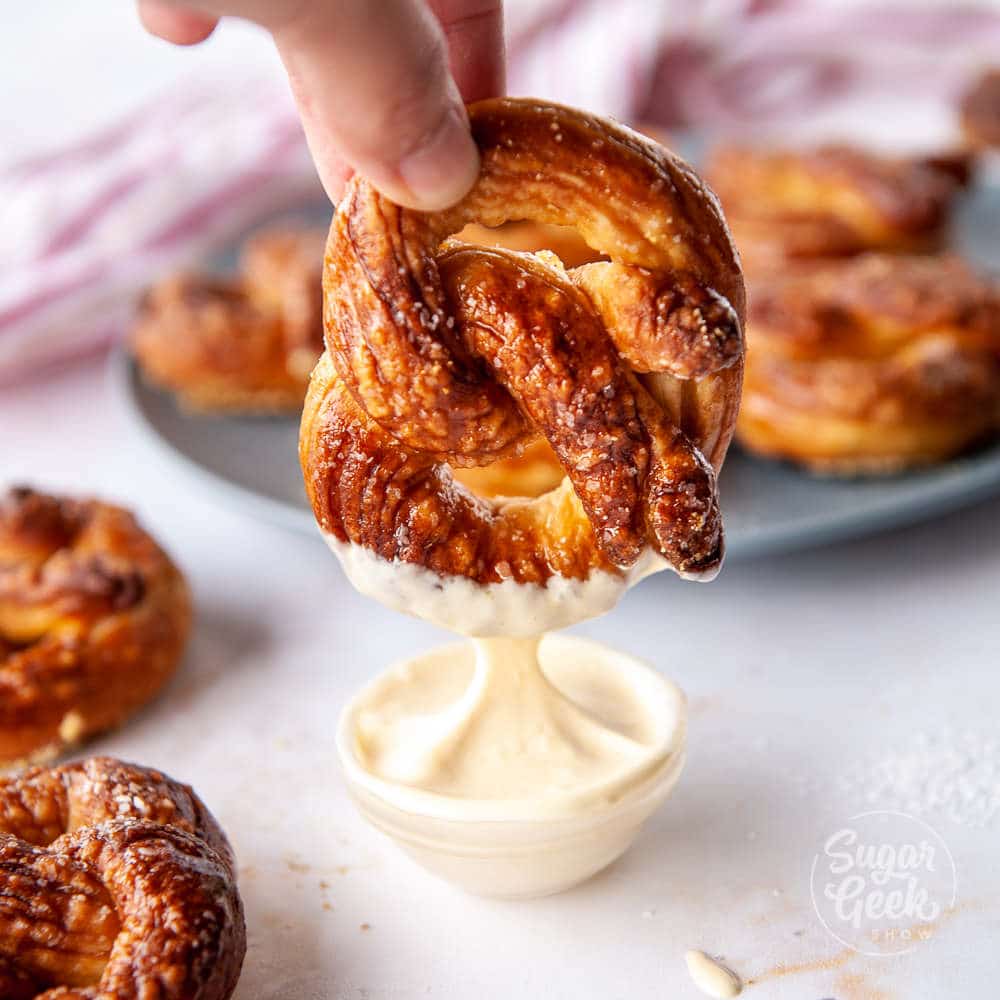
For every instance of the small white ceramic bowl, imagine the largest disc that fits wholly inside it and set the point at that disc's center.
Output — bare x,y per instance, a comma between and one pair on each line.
479,846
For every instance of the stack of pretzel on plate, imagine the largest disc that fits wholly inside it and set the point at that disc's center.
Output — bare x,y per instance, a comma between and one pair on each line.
872,346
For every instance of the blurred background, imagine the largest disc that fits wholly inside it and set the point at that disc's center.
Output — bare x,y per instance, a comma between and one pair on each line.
101,122
721,63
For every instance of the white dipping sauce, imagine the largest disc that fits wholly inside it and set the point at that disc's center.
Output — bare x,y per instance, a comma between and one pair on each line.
513,765
512,775
508,608
515,729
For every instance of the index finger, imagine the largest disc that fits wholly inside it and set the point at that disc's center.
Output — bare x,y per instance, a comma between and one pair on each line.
474,32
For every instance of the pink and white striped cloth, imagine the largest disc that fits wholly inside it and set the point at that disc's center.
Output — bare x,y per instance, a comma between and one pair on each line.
865,66
86,227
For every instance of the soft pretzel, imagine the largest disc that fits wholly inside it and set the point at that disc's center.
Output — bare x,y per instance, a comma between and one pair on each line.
439,352
93,619
835,201
980,110
116,883
282,272
244,344
872,364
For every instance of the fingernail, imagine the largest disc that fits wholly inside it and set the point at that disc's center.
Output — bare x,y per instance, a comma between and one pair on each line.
441,170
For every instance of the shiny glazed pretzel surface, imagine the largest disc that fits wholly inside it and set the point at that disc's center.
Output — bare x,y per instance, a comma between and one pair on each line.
93,620
442,353
116,883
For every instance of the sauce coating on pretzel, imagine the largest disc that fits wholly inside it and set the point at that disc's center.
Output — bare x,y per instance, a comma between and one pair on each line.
440,353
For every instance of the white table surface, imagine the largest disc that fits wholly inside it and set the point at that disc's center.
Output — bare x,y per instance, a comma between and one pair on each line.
796,669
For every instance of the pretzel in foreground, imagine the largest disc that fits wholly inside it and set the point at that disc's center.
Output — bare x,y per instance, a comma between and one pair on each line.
93,620
536,470
116,883
873,364
444,354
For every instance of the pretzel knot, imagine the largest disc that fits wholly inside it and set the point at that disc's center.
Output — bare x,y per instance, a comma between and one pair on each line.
441,353
116,883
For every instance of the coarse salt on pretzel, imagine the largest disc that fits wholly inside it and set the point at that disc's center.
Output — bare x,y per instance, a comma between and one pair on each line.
93,620
440,353
536,470
116,883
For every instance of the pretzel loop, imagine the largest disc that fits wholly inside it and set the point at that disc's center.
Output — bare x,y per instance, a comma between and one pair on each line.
115,883
441,352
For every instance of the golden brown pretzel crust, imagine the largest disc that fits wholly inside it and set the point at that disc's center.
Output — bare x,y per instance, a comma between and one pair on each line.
530,237
238,345
93,620
872,364
536,470
282,272
835,201
440,352
980,110
116,883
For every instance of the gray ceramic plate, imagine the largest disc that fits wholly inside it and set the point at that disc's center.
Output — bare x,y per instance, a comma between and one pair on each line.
769,507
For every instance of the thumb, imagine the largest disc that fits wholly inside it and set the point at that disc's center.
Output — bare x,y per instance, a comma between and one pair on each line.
374,89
